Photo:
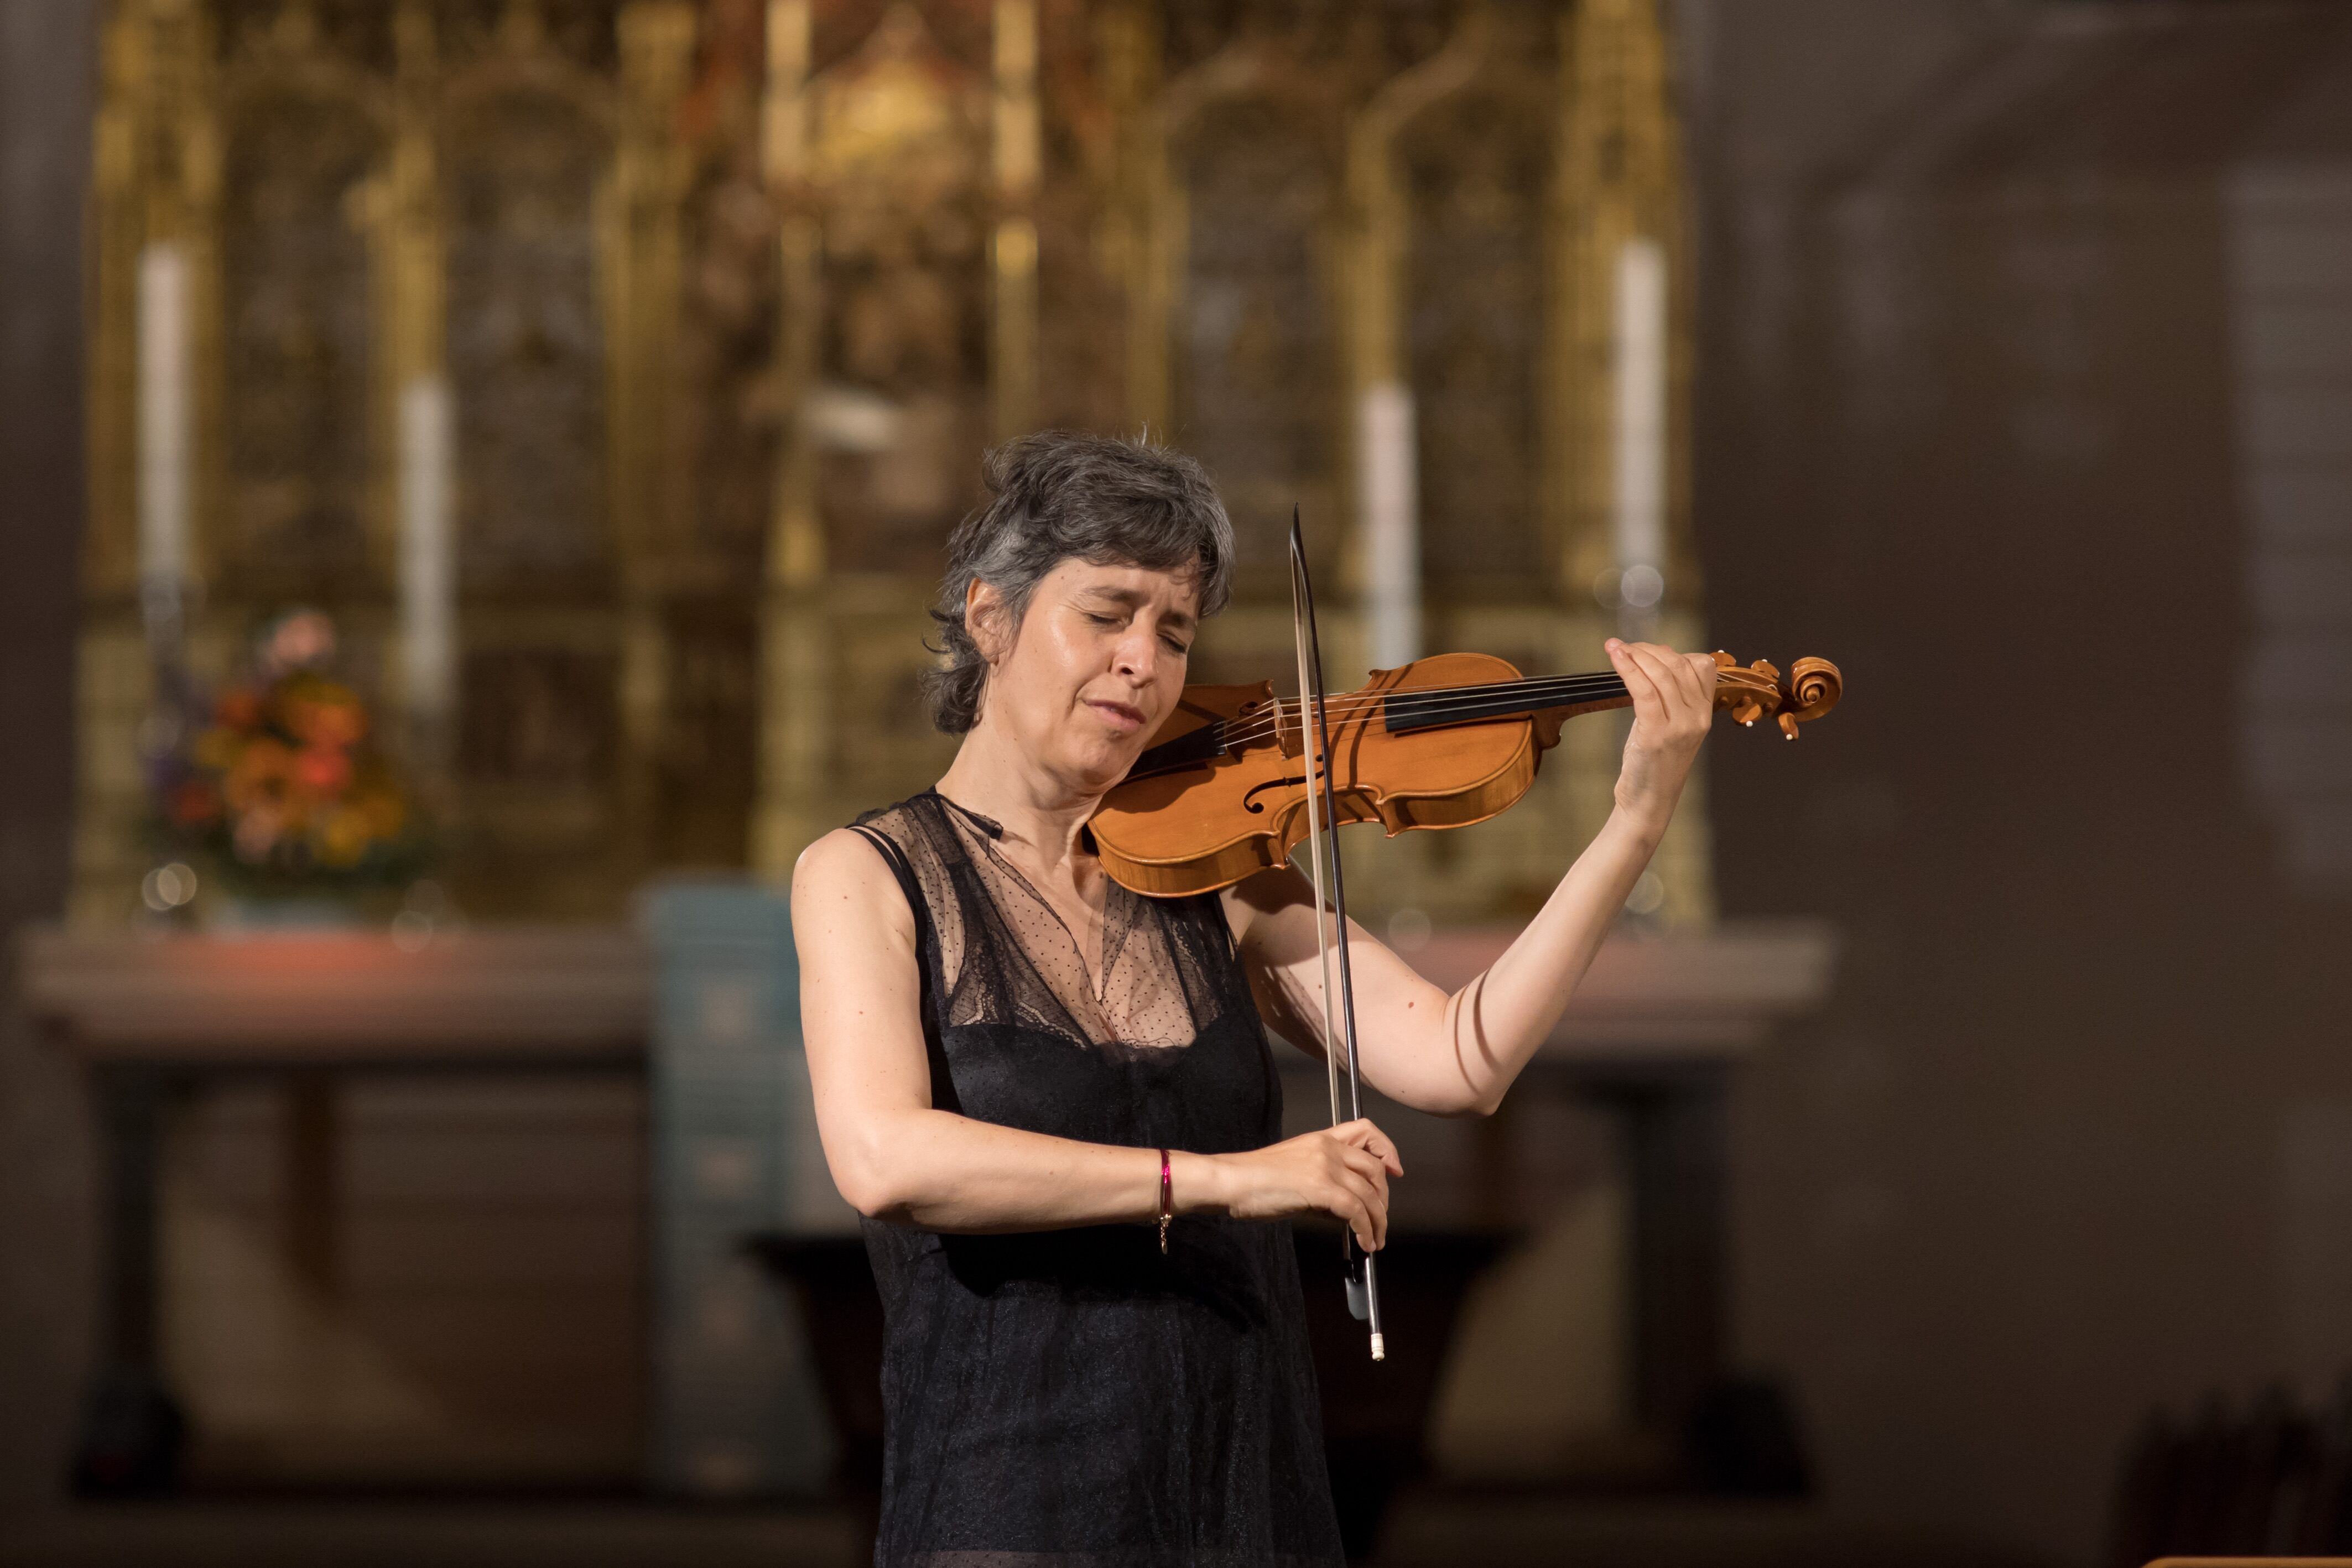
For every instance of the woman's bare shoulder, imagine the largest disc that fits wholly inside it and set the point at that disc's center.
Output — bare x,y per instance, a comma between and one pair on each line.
844,877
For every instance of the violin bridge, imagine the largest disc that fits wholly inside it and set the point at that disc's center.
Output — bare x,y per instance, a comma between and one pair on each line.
1289,731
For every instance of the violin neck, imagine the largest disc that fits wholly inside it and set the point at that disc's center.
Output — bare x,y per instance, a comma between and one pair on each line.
1565,695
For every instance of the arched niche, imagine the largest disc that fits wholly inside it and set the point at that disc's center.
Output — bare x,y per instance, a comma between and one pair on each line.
525,145
304,140
1474,170
1251,215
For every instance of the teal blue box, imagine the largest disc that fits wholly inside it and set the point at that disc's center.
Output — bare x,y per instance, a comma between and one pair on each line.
735,1408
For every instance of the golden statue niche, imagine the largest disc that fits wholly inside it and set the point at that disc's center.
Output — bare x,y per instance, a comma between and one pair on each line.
614,368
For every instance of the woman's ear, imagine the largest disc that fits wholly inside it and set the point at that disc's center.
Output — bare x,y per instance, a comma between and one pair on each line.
983,618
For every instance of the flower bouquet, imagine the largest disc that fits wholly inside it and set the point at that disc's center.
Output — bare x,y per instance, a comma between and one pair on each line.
280,787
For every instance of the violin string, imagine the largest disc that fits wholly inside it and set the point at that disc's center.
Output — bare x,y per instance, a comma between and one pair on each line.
1421,706
1434,703
1419,701
1424,701
1438,701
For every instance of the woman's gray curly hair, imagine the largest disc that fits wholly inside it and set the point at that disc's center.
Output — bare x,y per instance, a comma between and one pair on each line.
1061,493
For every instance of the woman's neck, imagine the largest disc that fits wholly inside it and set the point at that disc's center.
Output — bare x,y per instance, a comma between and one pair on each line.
1003,781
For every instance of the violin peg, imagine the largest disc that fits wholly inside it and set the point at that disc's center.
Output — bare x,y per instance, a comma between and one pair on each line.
1789,725
1723,661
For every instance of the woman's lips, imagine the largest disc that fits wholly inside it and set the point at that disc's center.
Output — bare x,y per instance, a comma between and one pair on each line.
1125,719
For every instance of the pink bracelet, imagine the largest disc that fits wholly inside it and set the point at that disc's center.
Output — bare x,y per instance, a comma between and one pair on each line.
1167,1201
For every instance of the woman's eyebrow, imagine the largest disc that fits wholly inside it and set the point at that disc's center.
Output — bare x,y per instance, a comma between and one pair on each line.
1130,598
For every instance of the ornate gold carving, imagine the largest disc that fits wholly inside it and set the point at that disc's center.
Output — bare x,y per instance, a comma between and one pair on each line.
880,165
728,295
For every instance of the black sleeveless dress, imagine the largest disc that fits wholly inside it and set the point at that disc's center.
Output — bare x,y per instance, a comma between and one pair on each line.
1073,1398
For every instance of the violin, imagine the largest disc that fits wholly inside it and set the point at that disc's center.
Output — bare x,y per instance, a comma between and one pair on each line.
1222,791
1236,779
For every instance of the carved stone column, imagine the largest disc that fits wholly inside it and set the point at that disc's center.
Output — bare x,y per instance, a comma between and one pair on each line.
1013,249
651,167
795,712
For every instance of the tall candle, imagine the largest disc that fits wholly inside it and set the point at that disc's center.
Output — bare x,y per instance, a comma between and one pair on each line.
1387,489
164,436
427,582
1639,372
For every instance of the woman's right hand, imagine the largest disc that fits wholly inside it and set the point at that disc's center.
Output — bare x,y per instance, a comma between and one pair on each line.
1341,1171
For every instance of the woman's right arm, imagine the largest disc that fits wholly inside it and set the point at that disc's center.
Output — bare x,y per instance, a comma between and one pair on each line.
896,1157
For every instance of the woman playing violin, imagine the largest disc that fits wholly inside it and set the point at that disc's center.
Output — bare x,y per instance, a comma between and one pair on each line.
1020,1066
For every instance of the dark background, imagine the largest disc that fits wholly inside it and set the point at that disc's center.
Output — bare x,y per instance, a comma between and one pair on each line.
1969,417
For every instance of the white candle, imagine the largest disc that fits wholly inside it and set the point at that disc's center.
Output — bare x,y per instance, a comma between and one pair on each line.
1639,370
1387,489
163,410
427,582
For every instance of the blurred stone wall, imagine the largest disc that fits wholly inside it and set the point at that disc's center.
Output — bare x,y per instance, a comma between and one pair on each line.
1971,422
45,1252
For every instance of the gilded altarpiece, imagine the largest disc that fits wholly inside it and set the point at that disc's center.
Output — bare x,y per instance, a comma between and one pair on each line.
422,253
724,299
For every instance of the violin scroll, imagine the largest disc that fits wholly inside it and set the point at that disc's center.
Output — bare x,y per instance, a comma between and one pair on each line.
1754,691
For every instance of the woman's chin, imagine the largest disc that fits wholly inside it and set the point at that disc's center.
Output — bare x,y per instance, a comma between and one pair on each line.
1100,765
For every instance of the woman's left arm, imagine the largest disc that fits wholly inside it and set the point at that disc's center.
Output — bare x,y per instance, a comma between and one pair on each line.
1457,1054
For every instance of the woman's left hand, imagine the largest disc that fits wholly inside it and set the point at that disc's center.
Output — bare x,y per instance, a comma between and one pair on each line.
1674,705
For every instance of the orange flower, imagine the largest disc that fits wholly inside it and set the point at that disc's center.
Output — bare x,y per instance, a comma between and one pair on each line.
325,715
259,776
322,772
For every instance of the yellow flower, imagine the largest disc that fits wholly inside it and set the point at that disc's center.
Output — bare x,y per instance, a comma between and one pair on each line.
343,837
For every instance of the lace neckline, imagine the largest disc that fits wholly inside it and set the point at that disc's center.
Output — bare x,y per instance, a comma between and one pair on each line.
1115,918
989,825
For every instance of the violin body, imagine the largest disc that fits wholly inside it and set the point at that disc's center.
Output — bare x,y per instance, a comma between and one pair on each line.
1220,792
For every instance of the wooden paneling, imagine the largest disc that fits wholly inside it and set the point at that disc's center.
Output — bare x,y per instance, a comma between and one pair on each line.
475,1313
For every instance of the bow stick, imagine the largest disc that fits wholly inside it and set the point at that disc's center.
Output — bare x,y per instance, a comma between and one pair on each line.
1322,819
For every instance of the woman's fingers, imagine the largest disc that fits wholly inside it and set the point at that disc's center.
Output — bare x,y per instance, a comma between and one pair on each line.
1365,1209
1362,1134
1706,672
1648,701
1695,687
1682,683
1671,674
1369,1166
1360,1178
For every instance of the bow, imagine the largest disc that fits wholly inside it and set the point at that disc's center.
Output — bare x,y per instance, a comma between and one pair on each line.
1322,818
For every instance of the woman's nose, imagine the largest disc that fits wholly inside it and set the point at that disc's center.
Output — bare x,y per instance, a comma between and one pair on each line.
1137,656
